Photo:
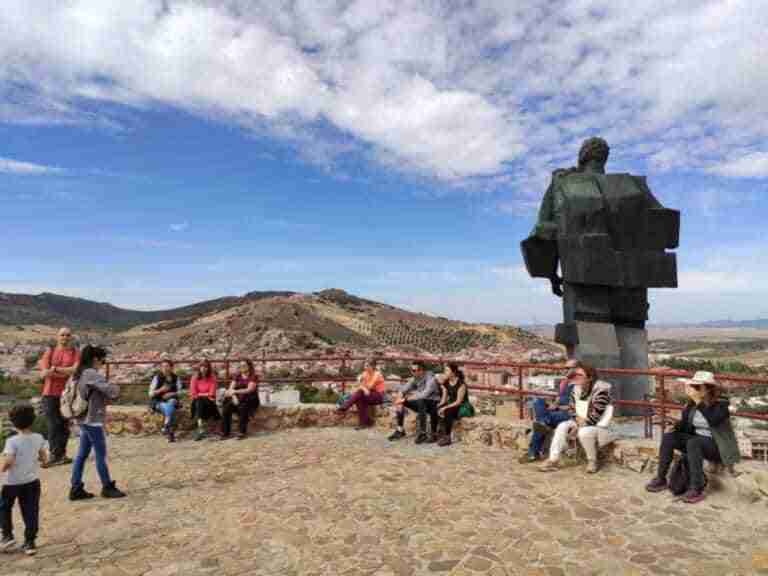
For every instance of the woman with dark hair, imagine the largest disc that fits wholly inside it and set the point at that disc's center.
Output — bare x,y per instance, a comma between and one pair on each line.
592,405
164,396
93,387
369,393
703,432
202,390
242,397
454,391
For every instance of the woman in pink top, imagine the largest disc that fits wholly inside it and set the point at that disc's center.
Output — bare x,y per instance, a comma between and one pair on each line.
369,393
202,390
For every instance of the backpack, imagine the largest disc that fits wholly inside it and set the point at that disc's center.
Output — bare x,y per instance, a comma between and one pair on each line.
73,405
679,478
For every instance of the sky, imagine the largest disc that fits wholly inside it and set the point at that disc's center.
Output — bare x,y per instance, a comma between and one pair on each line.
158,153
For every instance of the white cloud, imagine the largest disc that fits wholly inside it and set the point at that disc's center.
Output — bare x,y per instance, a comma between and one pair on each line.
9,166
453,92
750,165
179,227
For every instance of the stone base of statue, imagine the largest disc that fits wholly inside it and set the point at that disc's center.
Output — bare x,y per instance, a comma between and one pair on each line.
606,345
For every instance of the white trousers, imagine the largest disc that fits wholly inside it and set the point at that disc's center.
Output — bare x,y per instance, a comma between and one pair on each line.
590,438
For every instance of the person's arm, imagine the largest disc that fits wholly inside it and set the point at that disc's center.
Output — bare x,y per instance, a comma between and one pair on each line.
715,414
8,461
44,364
252,385
43,454
212,388
193,393
443,397
153,391
460,396
97,381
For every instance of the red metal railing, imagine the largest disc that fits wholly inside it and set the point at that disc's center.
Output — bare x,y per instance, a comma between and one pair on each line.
659,406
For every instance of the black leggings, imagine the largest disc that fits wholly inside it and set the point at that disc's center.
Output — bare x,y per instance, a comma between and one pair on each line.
696,448
422,407
28,496
244,410
449,417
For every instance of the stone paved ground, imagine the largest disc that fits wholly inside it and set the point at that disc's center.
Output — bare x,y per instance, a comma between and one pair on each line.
337,501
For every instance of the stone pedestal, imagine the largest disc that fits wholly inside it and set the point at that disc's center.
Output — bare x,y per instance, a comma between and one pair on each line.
608,346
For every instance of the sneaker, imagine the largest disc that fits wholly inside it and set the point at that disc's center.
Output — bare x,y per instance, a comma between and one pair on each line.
396,435
444,441
29,548
7,544
421,438
112,491
656,485
171,436
58,462
79,493
549,466
693,496
527,458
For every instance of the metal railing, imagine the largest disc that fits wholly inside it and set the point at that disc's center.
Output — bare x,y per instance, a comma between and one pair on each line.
659,407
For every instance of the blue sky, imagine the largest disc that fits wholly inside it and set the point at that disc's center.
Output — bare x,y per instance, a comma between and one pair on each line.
155,154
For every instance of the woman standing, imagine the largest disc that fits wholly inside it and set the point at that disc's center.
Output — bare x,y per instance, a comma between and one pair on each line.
164,397
454,390
590,400
93,387
704,432
369,393
242,397
202,390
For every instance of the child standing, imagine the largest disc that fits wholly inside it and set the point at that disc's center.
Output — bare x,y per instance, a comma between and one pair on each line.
23,454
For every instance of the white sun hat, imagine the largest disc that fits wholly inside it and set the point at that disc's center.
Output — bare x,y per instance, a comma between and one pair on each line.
701,377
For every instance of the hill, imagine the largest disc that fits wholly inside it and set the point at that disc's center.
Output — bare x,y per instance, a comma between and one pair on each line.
269,322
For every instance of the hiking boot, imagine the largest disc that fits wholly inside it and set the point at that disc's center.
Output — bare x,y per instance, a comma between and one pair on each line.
29,548
79,493
112,491
7,544
444,441
421,438
396,435
656,485
694,495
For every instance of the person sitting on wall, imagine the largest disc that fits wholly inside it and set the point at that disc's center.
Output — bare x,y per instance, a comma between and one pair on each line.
703,432
548,416
454,391
420,394
164,397
202,390
242,397
369,393
591,402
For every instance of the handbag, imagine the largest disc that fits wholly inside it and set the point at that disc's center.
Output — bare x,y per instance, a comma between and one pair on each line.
679,478
466,410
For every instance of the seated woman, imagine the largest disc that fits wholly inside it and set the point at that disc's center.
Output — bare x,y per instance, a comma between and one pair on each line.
164,396
454,391
242,397
548,416
202,390
704,432
591,401
369,393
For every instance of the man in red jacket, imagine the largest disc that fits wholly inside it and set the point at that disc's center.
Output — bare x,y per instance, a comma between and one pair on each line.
56,366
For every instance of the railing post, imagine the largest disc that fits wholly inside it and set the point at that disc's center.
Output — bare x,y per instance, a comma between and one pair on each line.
520,391
106,375
663,387
227,375
343,371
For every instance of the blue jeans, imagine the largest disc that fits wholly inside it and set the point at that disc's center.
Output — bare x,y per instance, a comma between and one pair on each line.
91,437
546,416
168,410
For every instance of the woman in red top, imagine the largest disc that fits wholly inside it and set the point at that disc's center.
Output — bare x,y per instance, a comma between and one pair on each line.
369,393
202,390
242,397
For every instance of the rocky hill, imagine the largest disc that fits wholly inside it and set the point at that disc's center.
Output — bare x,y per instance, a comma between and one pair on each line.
269,323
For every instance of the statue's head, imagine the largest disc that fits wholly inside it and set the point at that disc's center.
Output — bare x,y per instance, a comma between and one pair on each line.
594,150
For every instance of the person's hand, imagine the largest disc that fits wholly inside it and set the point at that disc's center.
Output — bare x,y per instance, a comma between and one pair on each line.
441,411
365,390
580,421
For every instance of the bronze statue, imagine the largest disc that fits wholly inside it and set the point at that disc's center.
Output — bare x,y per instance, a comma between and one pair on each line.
609,235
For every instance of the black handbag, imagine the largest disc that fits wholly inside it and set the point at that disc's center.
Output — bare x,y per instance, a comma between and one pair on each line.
680,477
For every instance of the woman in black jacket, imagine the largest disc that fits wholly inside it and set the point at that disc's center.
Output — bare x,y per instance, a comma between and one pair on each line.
704,432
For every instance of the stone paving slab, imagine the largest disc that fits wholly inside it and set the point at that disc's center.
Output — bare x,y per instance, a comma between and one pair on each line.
338,501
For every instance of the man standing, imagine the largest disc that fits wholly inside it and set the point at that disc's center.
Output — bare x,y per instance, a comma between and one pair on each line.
422,395
56,366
